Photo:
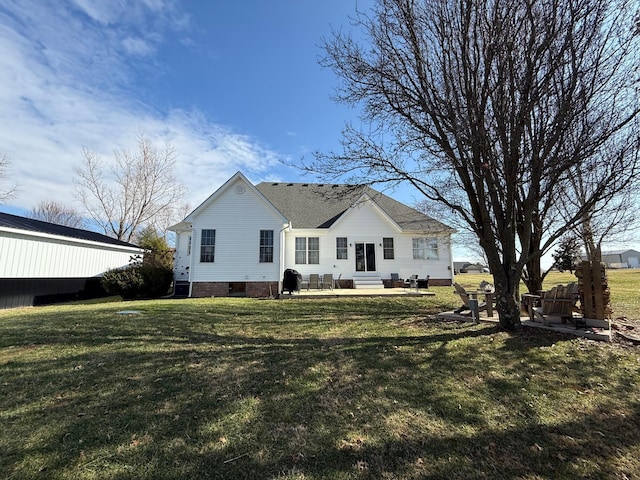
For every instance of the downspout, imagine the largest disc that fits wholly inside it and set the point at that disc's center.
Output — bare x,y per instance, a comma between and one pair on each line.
191,257
282,252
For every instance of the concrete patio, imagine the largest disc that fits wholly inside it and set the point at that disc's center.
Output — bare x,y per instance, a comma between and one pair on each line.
358,292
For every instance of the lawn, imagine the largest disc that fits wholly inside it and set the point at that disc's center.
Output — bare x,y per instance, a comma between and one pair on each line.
307,389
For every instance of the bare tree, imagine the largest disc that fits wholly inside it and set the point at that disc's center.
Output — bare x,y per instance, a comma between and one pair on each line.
476,103
7,192
463,236
610,219
132,192
54,212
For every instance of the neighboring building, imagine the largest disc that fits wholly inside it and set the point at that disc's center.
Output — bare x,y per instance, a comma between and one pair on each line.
621,259
241,239
42,262
468,267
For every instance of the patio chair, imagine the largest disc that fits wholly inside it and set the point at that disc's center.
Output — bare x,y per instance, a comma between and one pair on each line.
464,296
411,282
337,282
314,281
423,283
327,281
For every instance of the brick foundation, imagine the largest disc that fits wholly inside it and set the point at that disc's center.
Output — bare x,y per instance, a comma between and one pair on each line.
225,289
210,289
262,289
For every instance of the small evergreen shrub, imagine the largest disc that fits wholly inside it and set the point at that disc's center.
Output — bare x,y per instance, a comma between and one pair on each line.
150,276
138,281
157,280
126,282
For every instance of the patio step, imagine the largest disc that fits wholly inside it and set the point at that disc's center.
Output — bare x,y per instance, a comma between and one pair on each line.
370,281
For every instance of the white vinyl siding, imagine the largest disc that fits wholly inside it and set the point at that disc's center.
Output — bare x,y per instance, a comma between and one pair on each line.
367,225
25,255
238,216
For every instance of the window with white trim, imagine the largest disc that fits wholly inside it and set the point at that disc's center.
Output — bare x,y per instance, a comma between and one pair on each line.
341,248
301,250
207,246
308,250
425,249
313,244
388,252
266,246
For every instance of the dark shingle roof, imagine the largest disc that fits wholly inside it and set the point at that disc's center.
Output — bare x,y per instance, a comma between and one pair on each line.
29,224
312,205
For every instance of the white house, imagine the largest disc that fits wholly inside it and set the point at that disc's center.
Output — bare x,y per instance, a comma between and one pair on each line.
42,262
241,239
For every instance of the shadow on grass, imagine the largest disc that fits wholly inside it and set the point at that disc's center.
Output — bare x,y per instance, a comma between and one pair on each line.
214,397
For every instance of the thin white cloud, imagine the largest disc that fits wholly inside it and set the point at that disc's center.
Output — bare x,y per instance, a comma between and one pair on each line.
101,12
64,86
138,46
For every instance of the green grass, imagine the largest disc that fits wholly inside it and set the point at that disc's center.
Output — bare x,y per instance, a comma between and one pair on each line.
307,389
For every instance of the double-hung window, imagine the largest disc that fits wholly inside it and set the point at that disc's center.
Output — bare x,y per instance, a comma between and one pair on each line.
341,248
301,250
207,246
425,249
387,248
266,246
313,244
307,250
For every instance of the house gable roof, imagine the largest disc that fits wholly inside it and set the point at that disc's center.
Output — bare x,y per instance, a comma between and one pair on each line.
309,205
365,200
38,226
215,195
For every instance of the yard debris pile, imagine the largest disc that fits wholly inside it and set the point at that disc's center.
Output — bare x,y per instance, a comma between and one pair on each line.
626,331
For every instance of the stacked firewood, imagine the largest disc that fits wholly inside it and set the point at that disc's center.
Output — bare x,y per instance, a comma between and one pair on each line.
593,286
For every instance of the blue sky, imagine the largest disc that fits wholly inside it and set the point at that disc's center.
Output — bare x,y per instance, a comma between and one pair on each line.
231,85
